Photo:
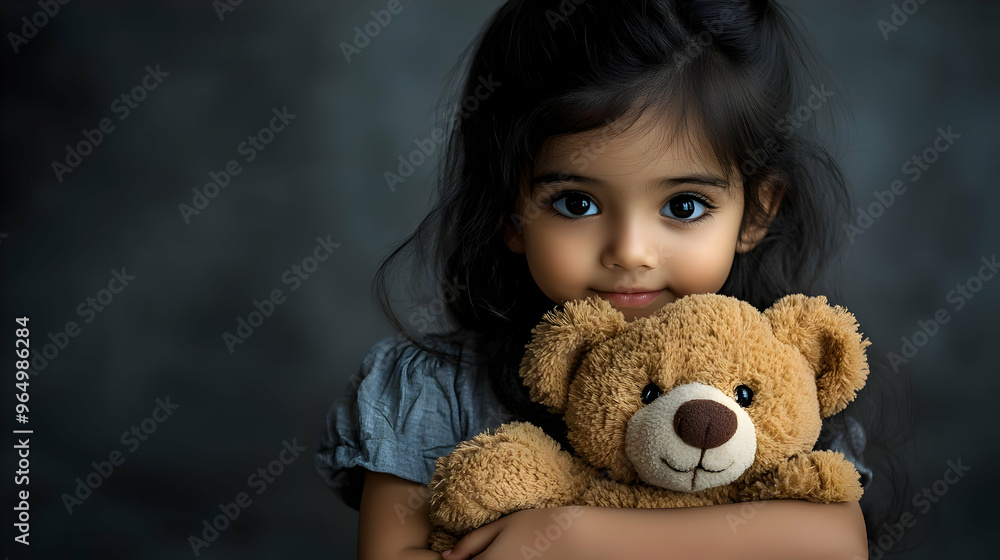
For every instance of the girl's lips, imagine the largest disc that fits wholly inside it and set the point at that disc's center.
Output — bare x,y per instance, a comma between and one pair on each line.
636,299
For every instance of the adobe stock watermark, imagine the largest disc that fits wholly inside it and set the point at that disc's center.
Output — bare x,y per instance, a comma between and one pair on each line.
580,159
416,500
88,309
788,124
249,148
429,144
132,439
681,57
803,113
701,41
561,522
923,501
958,297
566,9
914,168
583,156
363,35
260,479
747,512
122,106
225,7
293,277
30,27
899,16
424,315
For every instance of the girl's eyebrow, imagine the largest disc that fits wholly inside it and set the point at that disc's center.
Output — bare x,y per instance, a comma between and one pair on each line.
663,182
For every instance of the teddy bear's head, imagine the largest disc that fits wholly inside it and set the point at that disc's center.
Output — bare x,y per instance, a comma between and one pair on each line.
699,394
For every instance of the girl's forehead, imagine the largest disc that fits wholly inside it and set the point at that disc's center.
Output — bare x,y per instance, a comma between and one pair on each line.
648,144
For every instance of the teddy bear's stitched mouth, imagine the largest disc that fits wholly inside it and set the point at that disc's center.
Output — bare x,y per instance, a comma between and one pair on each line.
698,466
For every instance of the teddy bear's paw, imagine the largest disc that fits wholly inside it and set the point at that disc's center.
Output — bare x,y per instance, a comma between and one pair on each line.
839,481
819,476
441,541
459,500
516,468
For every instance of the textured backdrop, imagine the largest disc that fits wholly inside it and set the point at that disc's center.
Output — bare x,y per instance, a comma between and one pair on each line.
132,268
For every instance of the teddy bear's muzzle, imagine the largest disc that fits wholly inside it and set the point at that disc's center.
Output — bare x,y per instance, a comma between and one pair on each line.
691,438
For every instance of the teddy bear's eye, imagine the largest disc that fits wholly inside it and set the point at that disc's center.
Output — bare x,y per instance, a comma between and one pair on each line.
650,392
744,396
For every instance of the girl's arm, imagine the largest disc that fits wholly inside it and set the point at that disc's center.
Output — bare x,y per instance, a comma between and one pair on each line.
776,529
766,530
388,527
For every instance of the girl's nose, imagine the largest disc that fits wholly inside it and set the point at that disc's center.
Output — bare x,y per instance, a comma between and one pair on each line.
631,245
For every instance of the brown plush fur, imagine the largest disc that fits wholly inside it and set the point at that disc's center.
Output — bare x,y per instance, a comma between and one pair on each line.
803,359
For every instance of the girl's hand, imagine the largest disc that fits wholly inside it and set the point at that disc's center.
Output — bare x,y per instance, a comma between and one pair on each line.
551,533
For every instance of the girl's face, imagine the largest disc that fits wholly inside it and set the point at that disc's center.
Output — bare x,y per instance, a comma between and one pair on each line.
622,214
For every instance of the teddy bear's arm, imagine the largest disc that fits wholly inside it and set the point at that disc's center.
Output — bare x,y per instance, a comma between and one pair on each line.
491,475
818,476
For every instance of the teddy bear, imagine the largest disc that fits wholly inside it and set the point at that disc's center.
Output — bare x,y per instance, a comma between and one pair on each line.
706,401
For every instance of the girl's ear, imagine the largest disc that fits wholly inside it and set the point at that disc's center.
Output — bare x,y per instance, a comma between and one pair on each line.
559,344
512,237
829,340
752,234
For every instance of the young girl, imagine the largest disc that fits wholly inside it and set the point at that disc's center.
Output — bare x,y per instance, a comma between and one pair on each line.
640,150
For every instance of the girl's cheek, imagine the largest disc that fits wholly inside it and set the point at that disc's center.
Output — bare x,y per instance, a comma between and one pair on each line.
571,245
701,267
556,260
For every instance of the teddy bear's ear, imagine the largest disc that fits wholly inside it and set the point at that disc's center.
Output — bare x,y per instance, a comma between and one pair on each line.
559,343
828,337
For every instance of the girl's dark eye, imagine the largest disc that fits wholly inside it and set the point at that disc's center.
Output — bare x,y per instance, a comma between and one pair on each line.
650,392
685,207
575,205
744,396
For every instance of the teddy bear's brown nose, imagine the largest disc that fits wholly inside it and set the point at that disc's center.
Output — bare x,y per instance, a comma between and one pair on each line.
704,423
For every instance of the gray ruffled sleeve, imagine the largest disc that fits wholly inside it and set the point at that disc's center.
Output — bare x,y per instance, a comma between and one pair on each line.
397,416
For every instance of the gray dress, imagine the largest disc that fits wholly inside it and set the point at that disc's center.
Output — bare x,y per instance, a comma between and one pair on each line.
405,408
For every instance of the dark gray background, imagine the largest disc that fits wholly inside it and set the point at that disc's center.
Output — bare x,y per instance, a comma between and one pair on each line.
323,176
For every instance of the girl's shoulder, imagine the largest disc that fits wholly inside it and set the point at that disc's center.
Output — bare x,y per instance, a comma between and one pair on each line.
407,405
436,356
439,377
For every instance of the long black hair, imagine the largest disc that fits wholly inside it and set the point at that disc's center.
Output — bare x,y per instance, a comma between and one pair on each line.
739,72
